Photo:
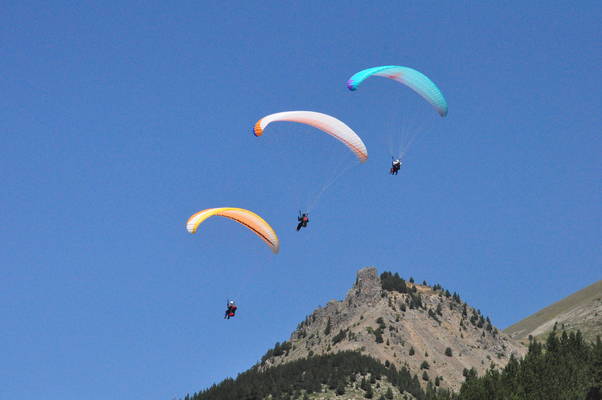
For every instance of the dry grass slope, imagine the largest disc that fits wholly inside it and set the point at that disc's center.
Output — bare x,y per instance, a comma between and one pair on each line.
582,310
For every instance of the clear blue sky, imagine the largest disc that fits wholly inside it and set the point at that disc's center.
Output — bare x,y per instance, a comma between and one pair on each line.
118,121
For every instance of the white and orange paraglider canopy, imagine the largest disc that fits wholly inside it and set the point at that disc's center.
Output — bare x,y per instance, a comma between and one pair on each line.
330,125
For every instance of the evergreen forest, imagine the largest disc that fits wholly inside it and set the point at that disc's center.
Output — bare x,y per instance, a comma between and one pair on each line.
299,379
565,367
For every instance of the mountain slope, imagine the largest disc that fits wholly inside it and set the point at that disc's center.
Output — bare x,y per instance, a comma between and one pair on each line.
434,334
582,310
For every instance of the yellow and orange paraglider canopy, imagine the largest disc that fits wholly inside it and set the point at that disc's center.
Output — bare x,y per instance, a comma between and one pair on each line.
244,217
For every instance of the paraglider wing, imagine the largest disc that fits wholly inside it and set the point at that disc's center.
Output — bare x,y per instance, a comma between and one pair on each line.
334,127
245,217
415,80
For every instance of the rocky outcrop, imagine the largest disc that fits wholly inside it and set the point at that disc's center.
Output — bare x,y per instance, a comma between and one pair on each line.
425,329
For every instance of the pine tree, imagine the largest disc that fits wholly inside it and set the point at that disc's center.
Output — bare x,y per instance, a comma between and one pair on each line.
369,393
328,327
339,336
364,384
595,391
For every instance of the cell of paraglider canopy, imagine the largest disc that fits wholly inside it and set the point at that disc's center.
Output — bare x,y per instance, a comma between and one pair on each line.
413,79
332,126
244,217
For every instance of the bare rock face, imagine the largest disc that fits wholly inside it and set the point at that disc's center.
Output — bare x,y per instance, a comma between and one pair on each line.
367,287
423,329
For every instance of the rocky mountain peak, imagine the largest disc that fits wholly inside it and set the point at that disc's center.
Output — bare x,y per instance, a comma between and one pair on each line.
426,329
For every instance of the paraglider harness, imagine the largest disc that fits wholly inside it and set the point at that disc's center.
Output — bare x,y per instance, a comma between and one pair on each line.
395,166
231,311
303,219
